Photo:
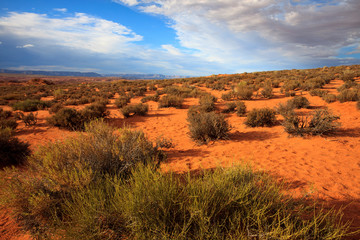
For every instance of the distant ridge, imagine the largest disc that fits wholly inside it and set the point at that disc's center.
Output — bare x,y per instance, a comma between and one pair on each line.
52,73
89,74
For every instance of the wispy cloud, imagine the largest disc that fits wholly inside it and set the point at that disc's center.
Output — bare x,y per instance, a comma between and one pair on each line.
25,46
171,49
63,10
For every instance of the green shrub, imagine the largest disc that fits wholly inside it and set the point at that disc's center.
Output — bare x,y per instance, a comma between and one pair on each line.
12,151
94,111
298,102
227,96
260,117
171,101
320,122
348,95
137,109
240,108
29,105
207,126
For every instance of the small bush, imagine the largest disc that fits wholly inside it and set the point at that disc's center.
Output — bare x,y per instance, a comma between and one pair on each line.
171,101
318,92
8,123
267,92
207,126
56,107
138,109
320,122
122,101
244,92
154,98
30,105
261,117
207,103
67,118
94,111
30,119
12,151
329,98
240,108
230,107
298,102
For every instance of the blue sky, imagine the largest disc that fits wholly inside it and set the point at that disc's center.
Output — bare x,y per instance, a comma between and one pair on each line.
175,37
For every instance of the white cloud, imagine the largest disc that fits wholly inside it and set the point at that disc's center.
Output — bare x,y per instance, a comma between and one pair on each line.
171,49
63,10
81,31
250,31
25,46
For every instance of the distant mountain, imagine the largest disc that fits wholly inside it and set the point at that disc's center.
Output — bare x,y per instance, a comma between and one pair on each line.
52,73
90,74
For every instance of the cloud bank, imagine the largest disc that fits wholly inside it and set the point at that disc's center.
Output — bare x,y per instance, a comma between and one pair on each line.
278,33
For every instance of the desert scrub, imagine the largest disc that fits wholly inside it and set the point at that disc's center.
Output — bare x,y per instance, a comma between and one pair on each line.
207,102
61,171
298,102
243,92
240,108
318,92
171,101
12,150
320,122
267,91
262,117
207,126
154,98
6,121
137,109
329,98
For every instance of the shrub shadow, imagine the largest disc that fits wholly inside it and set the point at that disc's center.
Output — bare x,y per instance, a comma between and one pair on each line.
252,136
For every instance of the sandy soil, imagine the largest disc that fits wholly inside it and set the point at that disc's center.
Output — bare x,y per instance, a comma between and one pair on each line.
327,168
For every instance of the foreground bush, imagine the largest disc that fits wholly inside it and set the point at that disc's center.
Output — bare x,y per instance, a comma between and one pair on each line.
233,203
60,171
320,122
207,126
260,118
240,108
12,151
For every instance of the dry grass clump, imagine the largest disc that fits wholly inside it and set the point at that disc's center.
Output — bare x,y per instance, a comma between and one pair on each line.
30,105
122,101
298,102
262,117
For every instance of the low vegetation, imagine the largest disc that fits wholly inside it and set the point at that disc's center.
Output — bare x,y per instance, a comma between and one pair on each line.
171,101
136,109
12,150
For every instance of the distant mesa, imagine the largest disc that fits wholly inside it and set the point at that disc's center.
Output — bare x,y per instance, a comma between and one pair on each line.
90,74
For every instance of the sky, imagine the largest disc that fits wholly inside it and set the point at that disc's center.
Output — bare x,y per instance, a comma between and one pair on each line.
178,37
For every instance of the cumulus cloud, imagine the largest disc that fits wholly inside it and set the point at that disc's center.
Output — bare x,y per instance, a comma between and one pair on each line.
80,31
127,2
261,30
25,46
